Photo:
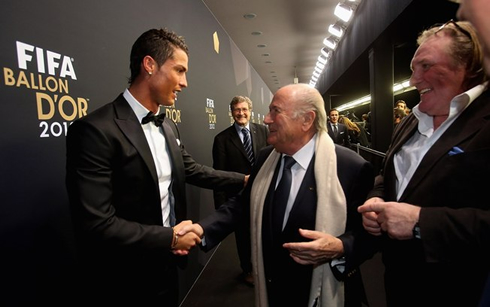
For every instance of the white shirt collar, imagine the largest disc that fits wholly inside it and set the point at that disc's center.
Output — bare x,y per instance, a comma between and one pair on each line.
457,106
239,128
137,107
304,155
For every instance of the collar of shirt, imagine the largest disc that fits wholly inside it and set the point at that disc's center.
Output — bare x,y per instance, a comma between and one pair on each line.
304,155
137,107
457,106
239,128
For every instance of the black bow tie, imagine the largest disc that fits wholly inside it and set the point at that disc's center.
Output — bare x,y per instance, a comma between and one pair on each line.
151,117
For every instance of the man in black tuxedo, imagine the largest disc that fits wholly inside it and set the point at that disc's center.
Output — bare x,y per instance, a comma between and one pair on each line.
337,131
234,149
430,202
126,176
301,231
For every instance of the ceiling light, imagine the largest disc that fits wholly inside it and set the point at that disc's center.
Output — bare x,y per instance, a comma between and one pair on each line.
262,45
327,53
398,88
256,33
320,65
330,43
322,60
343,11
336,30
249,16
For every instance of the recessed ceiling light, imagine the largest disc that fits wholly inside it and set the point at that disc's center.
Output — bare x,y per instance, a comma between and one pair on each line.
249,16
266,54
262,45
256,33
268,62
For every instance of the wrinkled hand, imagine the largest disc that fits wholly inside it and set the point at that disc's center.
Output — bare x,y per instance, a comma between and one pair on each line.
397,219
188,231
186,240
370,218
321,249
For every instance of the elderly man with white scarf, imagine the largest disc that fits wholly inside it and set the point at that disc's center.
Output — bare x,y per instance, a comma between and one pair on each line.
308,262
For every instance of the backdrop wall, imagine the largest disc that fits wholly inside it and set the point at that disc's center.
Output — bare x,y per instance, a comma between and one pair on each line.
63,59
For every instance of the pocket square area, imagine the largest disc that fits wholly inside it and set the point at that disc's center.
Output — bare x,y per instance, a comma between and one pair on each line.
455,151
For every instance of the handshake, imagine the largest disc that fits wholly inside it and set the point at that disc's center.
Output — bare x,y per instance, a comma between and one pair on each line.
186,236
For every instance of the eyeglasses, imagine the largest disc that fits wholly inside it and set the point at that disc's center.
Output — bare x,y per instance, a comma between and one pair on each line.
458,27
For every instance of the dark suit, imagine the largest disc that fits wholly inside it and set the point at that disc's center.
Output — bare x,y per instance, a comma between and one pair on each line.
123,249
342,137
229,155
449,265
292,279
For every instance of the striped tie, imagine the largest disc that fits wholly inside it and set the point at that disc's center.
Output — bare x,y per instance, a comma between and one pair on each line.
247,143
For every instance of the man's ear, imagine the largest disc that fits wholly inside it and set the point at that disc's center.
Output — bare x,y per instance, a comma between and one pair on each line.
309,120
148,64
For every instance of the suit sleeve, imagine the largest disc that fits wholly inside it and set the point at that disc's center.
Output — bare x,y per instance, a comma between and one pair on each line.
455,234
359,245
204,176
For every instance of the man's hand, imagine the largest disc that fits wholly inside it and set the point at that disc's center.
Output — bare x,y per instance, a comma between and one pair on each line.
191,233
397,219
321,249
185,240
370,218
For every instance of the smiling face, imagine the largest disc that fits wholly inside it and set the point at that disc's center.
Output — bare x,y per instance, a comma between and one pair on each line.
241,113
169,79
436,75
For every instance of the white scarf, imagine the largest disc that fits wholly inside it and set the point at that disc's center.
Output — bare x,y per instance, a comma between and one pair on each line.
331,215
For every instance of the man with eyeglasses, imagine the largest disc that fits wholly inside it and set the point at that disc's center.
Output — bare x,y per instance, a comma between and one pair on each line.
434,179
235,149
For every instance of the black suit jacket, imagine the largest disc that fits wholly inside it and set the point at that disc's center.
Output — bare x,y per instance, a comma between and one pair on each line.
123,248
342,137
356,177
229,154
455,217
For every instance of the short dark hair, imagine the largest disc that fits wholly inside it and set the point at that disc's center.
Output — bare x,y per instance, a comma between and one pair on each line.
157,43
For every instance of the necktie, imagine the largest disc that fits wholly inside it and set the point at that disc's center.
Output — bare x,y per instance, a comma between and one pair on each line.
335,131
151,117
281,195
247,143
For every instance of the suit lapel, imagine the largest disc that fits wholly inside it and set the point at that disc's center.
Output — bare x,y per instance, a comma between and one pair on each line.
253,135
127,121
174,149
